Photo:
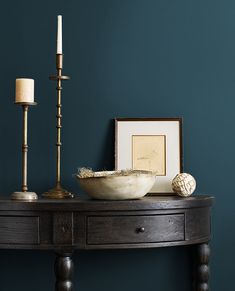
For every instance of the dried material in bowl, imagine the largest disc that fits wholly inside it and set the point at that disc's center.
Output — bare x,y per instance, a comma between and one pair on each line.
118,185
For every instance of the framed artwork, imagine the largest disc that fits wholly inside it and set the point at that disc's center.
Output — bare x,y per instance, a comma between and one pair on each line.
153,144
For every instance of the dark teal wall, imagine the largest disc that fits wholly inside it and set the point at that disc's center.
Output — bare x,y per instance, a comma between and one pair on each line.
127,58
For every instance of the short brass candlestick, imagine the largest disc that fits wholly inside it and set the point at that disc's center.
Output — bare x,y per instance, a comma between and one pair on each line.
58,192
24,194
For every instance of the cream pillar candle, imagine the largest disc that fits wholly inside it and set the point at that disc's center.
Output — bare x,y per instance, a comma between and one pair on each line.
59,34
24,90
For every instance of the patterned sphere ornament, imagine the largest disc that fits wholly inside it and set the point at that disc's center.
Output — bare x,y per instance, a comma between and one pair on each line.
184,184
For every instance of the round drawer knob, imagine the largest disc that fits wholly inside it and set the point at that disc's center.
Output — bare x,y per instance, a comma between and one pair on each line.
140,229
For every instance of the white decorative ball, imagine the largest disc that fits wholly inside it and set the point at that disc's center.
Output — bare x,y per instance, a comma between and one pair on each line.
184,184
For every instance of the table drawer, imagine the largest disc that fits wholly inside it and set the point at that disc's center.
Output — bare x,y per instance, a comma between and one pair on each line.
134,229
19,230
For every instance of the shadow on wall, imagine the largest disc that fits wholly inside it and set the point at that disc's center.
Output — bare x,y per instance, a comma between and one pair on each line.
107,152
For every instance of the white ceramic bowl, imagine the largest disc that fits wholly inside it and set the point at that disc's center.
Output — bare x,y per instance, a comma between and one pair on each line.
113,186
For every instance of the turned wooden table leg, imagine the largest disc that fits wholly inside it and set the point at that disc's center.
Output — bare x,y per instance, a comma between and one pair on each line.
64,272
202,267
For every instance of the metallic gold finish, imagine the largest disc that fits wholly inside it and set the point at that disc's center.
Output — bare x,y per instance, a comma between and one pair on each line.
24,195
29,196
25,148
59,61
58,192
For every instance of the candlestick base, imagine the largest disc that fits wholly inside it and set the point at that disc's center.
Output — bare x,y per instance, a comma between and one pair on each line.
57,193
29,196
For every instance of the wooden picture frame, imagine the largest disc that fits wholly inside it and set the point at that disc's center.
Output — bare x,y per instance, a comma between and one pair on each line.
153,144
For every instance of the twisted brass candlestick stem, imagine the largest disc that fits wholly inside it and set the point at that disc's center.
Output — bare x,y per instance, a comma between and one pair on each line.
24,194
58,192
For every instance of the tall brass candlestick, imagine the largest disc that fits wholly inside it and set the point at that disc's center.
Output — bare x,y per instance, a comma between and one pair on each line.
24,194
58,192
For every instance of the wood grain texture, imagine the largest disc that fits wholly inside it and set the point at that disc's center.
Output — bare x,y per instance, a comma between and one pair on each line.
146,203
67,225
63,228
198,223
135,229
19,230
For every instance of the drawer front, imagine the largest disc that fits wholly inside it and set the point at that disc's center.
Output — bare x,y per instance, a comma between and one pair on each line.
134,229
19,230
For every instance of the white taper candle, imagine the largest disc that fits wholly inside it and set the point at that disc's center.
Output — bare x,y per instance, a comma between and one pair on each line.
59,34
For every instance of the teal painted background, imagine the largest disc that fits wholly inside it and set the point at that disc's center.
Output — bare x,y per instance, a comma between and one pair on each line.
126,58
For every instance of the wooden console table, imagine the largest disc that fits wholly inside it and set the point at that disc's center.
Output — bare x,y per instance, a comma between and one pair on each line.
68,225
